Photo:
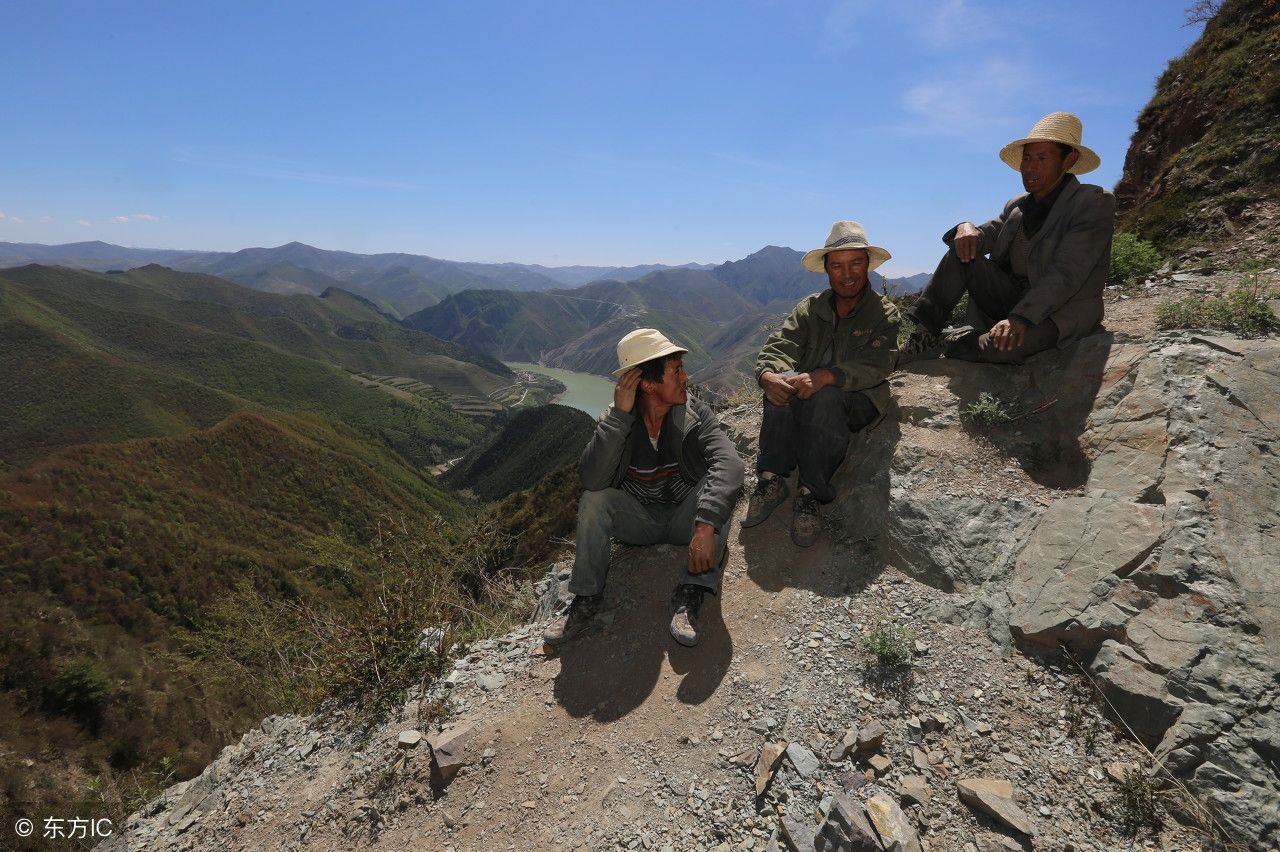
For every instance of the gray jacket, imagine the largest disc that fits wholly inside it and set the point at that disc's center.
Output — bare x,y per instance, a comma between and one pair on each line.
705,451
1070,257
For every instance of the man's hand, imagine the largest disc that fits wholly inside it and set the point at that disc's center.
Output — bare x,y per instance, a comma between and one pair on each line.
776,389
1008,333
624,393
965,242
702,548
807,384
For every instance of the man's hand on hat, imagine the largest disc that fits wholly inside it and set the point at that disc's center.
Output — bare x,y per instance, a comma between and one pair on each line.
624,393
776,389
1008,333
807,384
965,242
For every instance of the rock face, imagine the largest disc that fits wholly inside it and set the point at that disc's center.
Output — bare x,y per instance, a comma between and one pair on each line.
1134,518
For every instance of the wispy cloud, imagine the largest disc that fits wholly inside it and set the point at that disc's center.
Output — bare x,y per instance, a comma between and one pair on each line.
46,219
84,223
843,18
275,168
146,217
952,23
14,219
119,218
1,214
966,103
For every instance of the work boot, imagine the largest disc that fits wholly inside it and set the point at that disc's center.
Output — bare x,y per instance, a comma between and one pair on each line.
769,493
921,343
576,616
687,601
806,526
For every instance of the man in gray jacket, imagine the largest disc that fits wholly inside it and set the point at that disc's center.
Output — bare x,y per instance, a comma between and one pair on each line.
659,468
1035,273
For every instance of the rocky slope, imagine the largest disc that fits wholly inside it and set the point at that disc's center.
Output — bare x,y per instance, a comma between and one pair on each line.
1129,513
1204,163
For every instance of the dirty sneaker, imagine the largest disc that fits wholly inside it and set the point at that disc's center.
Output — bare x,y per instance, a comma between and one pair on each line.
687,601
576,616
806,526
920,342
769,493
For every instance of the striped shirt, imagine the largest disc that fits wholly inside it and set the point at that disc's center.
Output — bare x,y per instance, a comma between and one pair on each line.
653,475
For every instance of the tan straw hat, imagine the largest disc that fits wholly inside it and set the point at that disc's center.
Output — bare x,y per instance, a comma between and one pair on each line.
1055,127
845,235
643,344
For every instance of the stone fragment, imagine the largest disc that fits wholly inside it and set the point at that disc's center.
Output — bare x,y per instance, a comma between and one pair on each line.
745,758
490,681
841,750
915,730
798,835
994,797
997,843
871,739
914,790
766,763
895,830
448,749
846,829
805,761
880,763
1117,770
919,759
409,739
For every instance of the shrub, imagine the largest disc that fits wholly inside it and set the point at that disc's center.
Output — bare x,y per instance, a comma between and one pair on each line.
1133,801
80,689
986,411
889,646
1242,309
1132,260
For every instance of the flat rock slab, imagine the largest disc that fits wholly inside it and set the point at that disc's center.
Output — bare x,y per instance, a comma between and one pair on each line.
895,830
805,761
994,797
846,829
448,749
766,763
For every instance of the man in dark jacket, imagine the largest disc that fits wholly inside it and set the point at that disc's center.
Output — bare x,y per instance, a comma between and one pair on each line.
659,468
1049,252
824,376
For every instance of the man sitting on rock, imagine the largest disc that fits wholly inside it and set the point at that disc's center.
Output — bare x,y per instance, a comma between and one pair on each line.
659,468
1049,252
824,376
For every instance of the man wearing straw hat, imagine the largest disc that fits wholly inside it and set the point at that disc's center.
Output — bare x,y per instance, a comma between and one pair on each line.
824,377
1035,273
659,468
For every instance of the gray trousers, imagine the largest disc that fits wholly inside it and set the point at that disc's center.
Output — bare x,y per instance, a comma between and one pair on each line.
993,293
614,514
812,434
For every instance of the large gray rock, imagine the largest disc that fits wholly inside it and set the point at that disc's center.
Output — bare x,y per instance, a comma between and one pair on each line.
846,829
1136,693
895,830
994,797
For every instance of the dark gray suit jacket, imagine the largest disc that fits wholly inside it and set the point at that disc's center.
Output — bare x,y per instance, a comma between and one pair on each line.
1070,256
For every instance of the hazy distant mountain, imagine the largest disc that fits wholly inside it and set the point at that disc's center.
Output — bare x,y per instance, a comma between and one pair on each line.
576,275
89,255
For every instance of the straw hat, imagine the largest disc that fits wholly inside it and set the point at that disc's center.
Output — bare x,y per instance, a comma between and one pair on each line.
643,344
1055,127
845,235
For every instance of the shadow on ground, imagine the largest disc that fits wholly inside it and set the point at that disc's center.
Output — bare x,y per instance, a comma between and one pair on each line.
1050,398
613,668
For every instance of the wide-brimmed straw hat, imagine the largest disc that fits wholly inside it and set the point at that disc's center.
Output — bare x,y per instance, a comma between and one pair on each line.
643,344
1055,127
845,235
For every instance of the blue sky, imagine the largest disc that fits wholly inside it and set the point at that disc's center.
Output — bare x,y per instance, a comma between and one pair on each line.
551,132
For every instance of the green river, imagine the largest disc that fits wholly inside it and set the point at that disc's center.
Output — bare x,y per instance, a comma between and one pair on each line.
585,392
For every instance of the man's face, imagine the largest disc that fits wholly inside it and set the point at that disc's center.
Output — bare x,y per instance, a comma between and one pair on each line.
847,272
1043,165
672,390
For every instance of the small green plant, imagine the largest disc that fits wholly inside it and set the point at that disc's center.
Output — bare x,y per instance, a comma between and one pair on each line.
1132,260
1133,802
986,411
1243,309
889,646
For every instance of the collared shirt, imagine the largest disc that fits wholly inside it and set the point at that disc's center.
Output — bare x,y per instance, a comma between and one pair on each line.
1034,213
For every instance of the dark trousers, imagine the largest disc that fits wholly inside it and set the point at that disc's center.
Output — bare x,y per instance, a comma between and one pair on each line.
613,514
993,293
812,434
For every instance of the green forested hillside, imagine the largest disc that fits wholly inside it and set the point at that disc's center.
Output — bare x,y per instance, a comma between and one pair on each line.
535,442
169,441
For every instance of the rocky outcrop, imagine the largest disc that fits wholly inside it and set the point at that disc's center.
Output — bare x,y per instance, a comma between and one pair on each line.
1134,519
1204,160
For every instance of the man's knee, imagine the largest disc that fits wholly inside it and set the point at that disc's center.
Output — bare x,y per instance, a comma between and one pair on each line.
595,506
